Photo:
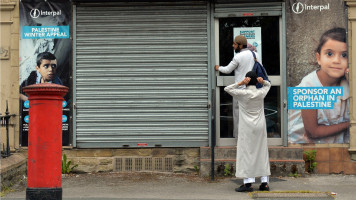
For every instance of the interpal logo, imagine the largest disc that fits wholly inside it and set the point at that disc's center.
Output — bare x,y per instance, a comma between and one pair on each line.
298,7
35,13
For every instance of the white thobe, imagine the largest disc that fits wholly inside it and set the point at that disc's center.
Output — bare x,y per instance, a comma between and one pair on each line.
241,64
252,158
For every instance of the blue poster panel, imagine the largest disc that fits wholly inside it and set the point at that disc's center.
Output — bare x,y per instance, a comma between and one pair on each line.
45,55
317,72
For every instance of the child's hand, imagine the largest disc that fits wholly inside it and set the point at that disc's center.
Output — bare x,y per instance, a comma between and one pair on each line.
245,81
260,80
347,74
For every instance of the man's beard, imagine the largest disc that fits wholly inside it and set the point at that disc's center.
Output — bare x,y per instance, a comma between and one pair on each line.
237,50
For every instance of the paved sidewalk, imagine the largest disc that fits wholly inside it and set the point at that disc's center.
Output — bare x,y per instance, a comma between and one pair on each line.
147,186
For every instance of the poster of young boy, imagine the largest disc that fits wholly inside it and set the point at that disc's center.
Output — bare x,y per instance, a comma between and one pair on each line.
45,55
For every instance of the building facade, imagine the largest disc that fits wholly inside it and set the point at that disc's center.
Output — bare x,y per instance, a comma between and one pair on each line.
142,83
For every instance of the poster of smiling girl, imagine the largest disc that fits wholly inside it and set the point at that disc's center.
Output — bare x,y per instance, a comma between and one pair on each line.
317,69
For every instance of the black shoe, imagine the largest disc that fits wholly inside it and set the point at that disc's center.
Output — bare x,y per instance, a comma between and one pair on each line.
244,188
264,187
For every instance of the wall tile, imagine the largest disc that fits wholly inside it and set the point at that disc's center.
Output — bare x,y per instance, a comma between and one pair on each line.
323,168
336,154
346,155
322,154
350,167
336,167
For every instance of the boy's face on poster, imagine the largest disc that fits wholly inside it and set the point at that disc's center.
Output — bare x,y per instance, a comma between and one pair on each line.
333,59
47,69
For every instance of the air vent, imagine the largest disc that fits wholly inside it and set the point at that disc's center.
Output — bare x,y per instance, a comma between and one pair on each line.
143,164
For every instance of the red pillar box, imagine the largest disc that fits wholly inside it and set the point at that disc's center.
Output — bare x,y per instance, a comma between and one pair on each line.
45,141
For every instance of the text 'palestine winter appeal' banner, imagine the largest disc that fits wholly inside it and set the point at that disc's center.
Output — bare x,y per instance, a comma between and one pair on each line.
45,55
317,68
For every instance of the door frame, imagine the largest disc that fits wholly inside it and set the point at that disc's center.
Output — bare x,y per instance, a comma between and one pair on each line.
280,80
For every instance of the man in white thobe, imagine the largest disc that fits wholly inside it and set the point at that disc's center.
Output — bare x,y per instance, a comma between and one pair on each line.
242,62
252,158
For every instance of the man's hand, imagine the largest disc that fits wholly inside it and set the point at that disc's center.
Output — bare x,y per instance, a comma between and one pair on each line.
260,80
245,81
217,67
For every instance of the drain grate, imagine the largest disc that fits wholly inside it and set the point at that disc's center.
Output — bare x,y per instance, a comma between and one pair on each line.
144,164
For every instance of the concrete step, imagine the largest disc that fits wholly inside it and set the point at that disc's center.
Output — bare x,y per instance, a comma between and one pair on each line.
283,160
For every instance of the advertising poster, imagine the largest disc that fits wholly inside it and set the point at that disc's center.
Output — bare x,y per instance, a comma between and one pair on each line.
317,72
45,55
253,36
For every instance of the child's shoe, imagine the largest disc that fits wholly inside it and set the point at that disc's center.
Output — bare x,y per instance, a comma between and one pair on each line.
264,187
244,188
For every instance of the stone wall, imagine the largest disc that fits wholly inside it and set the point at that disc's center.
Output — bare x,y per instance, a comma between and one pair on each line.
9,67
13,169
283,160
102,160
352,73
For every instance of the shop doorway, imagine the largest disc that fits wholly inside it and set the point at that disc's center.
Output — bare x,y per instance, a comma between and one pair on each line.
267,31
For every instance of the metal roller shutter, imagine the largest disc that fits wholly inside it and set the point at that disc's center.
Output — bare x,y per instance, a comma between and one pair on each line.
141,74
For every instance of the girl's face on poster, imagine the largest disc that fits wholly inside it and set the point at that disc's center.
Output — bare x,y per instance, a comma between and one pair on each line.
333,59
